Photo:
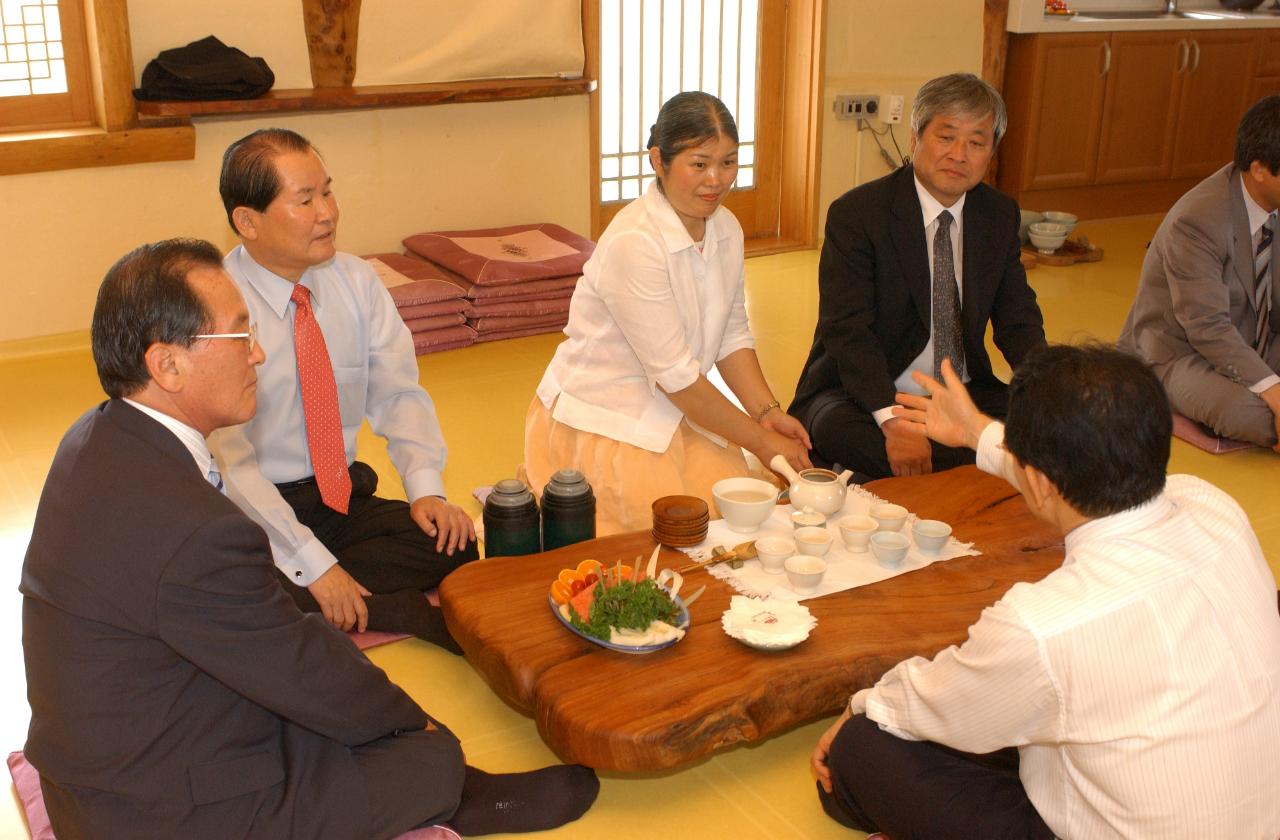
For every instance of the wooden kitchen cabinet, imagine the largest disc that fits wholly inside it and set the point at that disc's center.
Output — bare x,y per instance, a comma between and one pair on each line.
1214,97
1062,94
1125,122
1140,112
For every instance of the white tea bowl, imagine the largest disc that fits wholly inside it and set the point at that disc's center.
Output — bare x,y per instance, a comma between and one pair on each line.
856,531
890,548
805,573
889,517
815,542
930,535
772,552
744,502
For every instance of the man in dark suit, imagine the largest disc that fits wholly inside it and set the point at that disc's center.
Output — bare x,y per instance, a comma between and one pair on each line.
914,267
1206,316
175,690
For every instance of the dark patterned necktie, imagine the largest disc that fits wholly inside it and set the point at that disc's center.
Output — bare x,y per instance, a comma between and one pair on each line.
948,337
1262,285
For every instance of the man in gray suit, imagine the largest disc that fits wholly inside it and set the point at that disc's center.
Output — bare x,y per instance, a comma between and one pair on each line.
1207,312
175,690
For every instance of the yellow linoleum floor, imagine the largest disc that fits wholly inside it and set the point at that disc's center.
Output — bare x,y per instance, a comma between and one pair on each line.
481,393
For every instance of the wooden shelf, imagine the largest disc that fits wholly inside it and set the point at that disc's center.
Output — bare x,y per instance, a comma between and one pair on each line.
373,96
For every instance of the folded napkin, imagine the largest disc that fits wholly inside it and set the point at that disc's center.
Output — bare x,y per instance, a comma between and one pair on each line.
845,569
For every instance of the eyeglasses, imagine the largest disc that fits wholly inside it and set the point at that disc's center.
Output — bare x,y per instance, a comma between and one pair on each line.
251,336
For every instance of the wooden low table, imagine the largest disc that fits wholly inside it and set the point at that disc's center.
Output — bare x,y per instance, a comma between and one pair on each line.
618,711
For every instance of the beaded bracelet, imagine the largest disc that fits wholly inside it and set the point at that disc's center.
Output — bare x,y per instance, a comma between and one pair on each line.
770,407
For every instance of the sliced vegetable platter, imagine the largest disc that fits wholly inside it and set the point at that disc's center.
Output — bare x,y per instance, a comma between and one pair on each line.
621,607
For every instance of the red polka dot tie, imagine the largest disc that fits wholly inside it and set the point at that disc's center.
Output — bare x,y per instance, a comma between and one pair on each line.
320,405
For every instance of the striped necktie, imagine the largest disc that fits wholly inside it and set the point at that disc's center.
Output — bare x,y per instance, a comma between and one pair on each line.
1262,286
215,478
948,336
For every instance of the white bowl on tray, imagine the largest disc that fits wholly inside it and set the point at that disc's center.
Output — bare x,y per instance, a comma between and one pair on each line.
1048,236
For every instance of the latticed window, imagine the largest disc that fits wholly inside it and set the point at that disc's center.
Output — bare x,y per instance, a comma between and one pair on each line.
43,82
651,50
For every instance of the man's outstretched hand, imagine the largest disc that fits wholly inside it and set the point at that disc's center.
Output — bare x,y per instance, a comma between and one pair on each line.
948,415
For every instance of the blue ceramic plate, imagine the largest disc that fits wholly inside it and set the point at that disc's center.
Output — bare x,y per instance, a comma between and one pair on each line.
682,621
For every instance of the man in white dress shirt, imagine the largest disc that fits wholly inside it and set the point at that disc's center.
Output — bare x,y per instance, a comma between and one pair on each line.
337,353
1139,682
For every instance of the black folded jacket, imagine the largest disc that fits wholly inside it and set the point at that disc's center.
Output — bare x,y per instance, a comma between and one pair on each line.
204,69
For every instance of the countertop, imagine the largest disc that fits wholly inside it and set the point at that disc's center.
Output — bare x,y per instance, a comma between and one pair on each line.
1028,16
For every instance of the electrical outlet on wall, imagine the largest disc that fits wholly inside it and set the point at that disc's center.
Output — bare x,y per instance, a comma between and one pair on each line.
856,106
892,113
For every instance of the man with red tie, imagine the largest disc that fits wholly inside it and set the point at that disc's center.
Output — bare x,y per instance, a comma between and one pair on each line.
337,353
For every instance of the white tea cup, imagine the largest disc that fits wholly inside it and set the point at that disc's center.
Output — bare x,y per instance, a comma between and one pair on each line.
856,531
772,552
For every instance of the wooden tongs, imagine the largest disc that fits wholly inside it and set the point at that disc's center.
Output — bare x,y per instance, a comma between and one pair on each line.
719,554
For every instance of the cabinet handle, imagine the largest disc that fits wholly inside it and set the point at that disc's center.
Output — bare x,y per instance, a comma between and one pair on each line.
1184,52
1195,56
1106,58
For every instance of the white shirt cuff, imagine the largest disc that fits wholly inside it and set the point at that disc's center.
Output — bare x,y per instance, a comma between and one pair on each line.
991,454
310,562
858,702
882,415
1265,384
423,483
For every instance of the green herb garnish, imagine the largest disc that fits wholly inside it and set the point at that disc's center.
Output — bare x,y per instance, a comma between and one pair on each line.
625,605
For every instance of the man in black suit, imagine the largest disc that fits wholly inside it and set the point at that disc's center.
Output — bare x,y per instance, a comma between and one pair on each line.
913,268
175,690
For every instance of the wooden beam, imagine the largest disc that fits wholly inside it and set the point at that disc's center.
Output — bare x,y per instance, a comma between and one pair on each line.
78,149
373,96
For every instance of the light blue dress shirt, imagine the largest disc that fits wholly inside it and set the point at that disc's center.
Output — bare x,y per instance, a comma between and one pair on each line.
376,373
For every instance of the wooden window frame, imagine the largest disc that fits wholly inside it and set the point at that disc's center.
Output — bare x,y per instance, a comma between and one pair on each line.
57,110
801,126
114,137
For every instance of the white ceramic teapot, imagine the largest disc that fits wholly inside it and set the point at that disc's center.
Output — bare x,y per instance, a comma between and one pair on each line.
816,489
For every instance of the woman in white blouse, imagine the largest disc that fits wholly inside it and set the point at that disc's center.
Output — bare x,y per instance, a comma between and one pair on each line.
626,399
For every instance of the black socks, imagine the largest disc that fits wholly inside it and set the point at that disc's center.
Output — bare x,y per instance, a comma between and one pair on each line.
409,611
518,802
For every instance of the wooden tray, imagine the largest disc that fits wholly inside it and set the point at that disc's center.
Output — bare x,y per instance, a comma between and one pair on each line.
1071,252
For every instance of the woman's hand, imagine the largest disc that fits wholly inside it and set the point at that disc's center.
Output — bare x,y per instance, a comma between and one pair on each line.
796,453
777,420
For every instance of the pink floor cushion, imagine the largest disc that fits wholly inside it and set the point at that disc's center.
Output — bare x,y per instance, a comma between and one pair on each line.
499,335
430,310
435,322
500,307
556,287
412,282
373,638
501,256
1202,437
499,323
433,341
27,781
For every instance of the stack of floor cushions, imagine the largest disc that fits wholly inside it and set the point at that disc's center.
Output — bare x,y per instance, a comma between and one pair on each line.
515,281
431,305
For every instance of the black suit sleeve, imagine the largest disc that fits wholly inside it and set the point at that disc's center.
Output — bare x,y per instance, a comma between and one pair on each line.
218,604
847,307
